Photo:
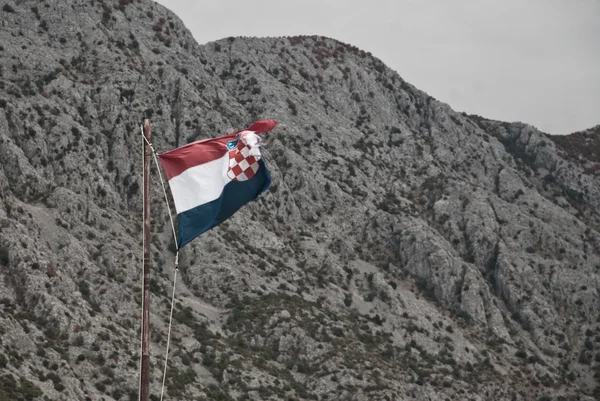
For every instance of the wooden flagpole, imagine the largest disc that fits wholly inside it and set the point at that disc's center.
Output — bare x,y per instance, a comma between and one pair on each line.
145,370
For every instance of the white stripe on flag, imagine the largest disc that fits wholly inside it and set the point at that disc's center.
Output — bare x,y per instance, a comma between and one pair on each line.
200,184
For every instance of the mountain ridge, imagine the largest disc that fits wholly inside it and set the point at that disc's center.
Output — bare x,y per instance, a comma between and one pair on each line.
405,251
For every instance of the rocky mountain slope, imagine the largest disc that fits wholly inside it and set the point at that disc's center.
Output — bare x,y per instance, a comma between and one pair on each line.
404,252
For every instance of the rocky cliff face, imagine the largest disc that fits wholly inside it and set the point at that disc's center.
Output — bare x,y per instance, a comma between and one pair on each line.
404,252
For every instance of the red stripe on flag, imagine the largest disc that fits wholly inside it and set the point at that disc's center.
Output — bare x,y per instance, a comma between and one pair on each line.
178,160
261,127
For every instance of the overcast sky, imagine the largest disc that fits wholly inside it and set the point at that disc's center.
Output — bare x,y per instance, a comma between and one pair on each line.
536,61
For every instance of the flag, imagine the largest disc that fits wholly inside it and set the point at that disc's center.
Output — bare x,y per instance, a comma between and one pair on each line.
213,178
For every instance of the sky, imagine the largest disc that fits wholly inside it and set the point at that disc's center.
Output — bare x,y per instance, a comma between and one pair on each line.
534,61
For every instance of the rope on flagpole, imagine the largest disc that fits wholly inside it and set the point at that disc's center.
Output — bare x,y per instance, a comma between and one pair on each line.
170,322
176,264
162,183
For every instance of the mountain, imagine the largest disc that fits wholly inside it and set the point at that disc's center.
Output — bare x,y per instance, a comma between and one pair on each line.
404,252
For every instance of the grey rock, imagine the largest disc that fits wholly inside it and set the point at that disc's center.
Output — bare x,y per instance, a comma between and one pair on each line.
404,252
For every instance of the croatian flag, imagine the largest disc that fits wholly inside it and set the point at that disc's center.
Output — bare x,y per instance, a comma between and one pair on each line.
211,179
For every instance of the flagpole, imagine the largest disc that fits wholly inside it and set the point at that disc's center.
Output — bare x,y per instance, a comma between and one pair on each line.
145,369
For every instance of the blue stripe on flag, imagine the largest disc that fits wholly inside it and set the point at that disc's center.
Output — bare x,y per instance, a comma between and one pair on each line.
196,221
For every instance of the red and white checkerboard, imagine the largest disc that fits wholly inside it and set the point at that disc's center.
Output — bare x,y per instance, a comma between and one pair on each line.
242,165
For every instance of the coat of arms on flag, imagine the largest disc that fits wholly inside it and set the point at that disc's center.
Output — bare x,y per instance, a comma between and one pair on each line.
244,157
213,178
